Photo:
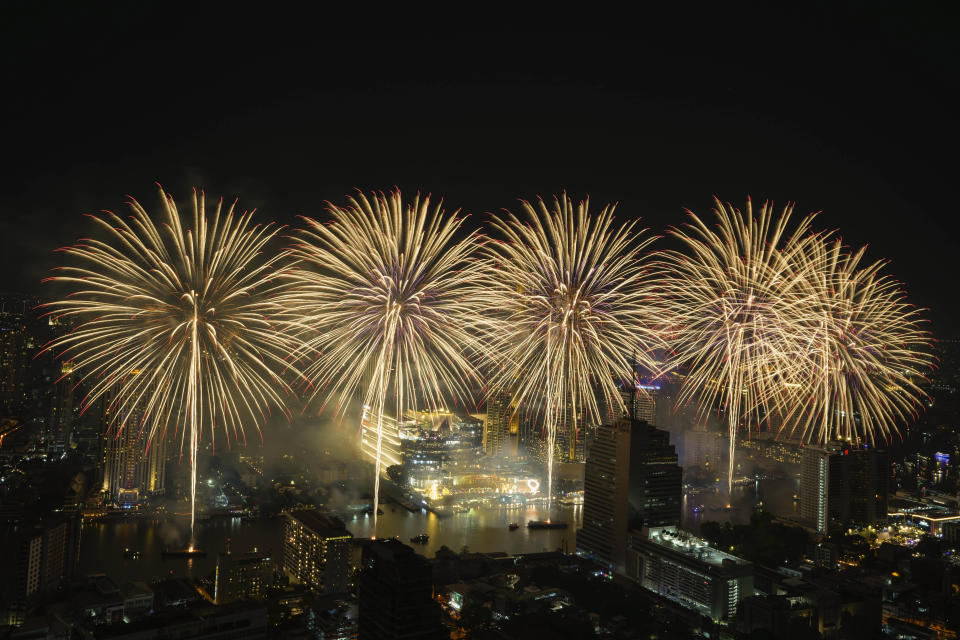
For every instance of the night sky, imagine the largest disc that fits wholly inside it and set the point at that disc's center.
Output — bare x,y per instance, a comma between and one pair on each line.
851,111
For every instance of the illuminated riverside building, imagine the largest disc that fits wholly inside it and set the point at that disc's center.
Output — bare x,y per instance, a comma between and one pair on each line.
842,484
687,570
243,576
769,447
632,480
131,469
390,445
316,551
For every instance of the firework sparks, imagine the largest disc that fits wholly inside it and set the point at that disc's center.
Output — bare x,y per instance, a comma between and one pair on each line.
566,305
865,349
174,323
380,291
734,299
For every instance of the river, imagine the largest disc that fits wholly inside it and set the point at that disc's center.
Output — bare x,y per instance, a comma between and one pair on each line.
485,530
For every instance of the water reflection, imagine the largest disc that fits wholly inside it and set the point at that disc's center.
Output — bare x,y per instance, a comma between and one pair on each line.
484,529
775,496
103,543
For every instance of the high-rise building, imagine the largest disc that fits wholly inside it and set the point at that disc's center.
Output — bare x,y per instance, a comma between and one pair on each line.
132,470
632,480
60,427
680,567
39,562
395,595
843,484
243,576
316,551
500,427
815,487
702,448
390,443
16,349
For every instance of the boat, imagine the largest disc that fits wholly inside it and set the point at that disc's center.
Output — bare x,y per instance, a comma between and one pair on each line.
369,511
189,552
698,508
133,554
420,539
725,509
513,526
546,524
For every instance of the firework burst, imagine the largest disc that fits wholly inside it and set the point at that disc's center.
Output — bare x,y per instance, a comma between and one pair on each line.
856,373
734,299
379,293
565,300
174,323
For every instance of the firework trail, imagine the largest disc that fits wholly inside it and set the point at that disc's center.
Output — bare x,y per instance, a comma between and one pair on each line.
174,323
381,289
734,299
855,373
566,305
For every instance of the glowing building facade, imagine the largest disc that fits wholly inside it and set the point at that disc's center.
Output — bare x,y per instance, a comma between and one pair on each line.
316,551
390,446
843,484
501,426
687,570
131,470
244,576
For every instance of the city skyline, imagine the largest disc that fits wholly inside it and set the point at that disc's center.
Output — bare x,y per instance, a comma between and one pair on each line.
470,324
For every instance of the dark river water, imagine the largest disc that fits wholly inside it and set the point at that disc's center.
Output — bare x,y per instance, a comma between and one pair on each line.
103,543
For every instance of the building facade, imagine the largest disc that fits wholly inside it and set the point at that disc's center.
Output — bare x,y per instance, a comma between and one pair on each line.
632,480
316,551
244,576
687,570
843,484
395,595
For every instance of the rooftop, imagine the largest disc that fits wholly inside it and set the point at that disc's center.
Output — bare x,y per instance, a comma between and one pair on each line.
320,523
691,546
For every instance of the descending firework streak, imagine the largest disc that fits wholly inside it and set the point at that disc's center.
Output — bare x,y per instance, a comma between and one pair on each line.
862,350
735,302
175,323
566,304
381,289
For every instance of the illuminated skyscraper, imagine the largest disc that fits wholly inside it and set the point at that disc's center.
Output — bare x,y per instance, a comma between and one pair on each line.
501,426
316,551
131,471
391,452
61,415
843,484
16,349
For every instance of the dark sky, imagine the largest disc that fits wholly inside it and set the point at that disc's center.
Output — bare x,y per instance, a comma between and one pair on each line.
848,110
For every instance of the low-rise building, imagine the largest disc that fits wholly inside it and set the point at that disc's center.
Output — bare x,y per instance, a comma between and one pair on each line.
687,570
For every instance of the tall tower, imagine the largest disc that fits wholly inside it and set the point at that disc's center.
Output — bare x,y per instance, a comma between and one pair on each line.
632,480
841,483
815,486
131,469
16,347
501,426
61,413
